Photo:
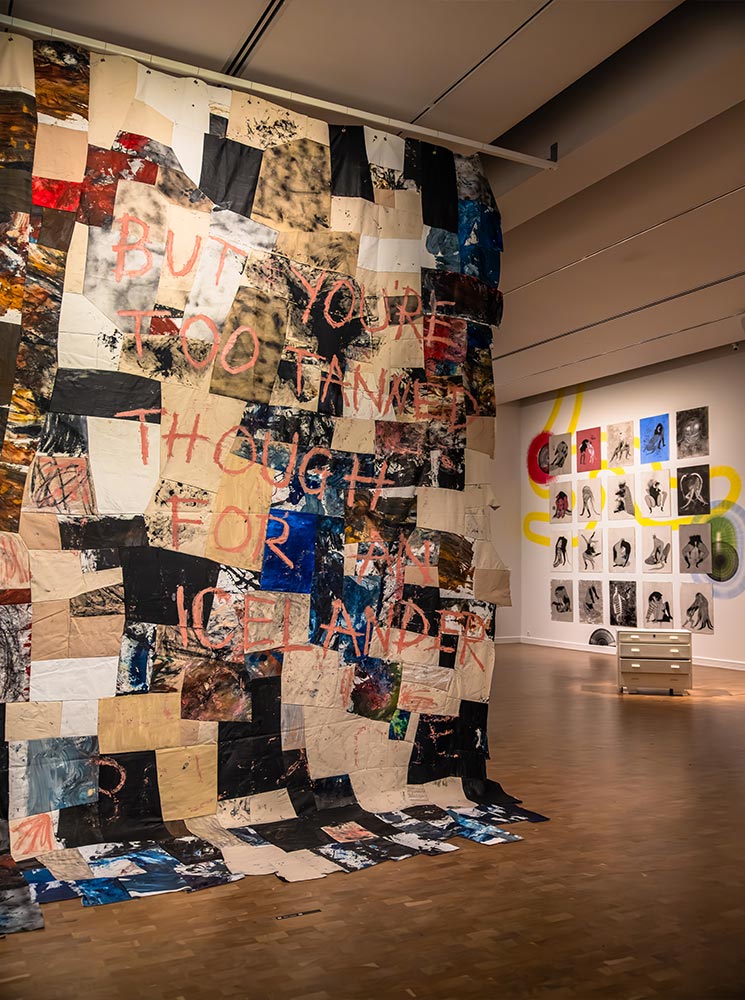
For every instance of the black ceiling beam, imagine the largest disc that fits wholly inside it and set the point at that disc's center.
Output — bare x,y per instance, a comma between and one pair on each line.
237,63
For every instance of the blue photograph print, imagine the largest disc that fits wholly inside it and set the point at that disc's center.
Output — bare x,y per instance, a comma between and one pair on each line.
654,438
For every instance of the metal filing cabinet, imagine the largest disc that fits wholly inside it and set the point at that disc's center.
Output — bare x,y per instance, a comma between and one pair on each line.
653,659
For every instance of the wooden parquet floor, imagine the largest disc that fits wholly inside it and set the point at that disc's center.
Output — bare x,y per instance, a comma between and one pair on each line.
636,888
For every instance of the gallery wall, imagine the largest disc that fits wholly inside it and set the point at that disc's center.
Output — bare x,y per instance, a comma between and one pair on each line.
619,527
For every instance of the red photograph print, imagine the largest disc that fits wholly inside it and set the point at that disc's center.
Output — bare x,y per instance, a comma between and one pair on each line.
588,450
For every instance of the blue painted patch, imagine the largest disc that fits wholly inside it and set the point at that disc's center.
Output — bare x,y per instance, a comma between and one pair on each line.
294,573
359,594
399,724
480,240
100,891
61,772
443,245
33,875
152,883
53,892
136,659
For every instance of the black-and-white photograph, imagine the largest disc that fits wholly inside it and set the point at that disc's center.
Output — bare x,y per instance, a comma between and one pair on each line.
560,549
622,599
562,609
658,604
621,504
694,547
692,432
590,602
697,607
694,496
560,454
622,550
589,500
655,493
657,549
590,550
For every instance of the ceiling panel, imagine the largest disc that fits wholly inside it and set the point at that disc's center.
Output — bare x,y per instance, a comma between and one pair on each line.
720,333
192,31
569,38
706,319
389,56
680,74
689,251
645,194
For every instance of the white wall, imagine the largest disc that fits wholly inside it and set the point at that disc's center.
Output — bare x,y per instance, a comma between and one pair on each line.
506,520
716,380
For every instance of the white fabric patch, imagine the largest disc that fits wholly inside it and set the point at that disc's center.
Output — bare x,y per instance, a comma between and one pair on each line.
74,680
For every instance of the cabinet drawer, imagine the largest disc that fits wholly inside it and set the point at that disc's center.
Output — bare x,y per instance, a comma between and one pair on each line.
663,682
665,638
655,650
647,666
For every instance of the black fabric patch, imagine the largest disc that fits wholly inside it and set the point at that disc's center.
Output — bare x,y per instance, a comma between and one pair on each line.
488,792
350,170
4,786
413,162
218,126
427,599
56,228
451,746
434,754
332,793
439,188
64,434
152,578
15,187
103,532
129,812
10,338
104,394
230,173
192,850
306,832
473,299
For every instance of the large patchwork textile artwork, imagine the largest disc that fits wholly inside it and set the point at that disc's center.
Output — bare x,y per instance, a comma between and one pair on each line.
248,590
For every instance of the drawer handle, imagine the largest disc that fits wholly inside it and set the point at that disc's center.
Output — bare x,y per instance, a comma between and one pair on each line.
636,664
674,650
636,651
675,666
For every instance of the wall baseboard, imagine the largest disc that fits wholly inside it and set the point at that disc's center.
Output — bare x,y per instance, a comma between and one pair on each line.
701,661
508,638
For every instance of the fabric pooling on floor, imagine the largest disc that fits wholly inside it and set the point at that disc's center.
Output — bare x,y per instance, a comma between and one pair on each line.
331,841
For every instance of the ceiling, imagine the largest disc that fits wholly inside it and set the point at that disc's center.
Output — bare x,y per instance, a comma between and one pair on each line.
628,254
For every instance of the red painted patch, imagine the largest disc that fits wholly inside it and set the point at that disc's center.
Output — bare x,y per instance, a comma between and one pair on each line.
104,170
535,471
15,596
50,193
164,326
131,142
444,340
